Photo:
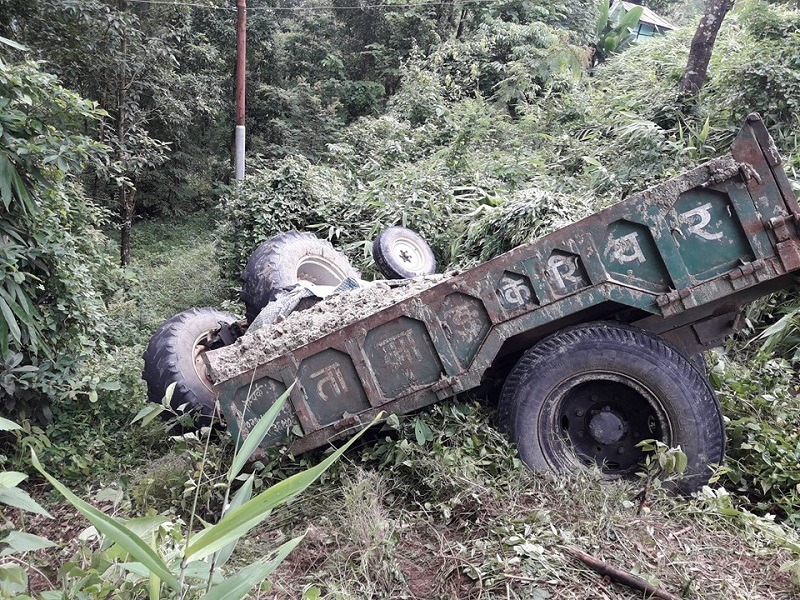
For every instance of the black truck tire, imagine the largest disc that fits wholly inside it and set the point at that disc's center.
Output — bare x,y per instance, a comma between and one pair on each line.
588,394
281,261
173,356
401,253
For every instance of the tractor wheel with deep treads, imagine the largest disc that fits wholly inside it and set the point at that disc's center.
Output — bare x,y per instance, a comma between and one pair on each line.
588,394
174,356
283,260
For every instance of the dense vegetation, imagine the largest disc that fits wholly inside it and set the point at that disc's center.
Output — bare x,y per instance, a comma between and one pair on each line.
480,125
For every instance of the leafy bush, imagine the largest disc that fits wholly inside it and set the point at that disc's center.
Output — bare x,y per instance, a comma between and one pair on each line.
288,196
761,402
524,216
422,451
756,68
54,271
512,64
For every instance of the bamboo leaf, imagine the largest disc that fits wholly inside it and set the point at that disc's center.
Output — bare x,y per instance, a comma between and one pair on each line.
12,43
113,529
11,321
7,425
10,479
239,585
256,435
243,494
602,19
238,522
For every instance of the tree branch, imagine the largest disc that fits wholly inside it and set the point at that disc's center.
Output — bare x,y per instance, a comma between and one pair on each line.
620,576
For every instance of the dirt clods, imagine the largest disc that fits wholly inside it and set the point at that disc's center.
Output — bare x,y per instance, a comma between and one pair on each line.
299,328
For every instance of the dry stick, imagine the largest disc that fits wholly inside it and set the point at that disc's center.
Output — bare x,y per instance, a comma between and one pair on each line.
621,576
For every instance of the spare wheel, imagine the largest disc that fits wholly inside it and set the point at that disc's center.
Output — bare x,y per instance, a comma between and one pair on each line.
402,253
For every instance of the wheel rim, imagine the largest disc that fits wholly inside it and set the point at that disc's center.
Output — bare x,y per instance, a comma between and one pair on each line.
199,367
319,271
410,254
598,418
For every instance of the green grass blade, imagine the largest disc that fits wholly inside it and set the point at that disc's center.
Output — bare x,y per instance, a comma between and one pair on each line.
238,522
239,585
243,494
256,435
113,529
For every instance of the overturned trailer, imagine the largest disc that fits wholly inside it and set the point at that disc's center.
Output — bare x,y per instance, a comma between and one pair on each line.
595,328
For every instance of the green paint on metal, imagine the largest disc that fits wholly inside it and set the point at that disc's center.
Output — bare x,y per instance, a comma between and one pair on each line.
402,357
466,324
332,387
710,237
631,253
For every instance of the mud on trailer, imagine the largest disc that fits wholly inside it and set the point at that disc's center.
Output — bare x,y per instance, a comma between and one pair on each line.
604,319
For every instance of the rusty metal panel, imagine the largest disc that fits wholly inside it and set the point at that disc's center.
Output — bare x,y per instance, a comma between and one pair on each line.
632,257
331,386
248,405
402,356
708,234
515,292
466,324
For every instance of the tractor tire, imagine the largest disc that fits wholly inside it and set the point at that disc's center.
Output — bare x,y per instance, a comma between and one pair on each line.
588,394
283,260
401,253
173,356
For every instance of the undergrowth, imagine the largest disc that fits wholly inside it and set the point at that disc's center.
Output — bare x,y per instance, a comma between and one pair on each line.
173,269
440,507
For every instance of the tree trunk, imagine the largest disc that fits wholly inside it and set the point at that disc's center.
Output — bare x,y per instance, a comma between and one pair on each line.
702,45
127,198
124,195
461,21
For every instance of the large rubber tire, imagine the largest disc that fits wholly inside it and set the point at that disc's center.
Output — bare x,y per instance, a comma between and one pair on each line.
588,394
401,253
281,261
173,356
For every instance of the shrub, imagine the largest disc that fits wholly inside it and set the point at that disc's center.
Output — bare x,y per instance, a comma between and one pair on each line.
760,402
525,216
289,195
53,272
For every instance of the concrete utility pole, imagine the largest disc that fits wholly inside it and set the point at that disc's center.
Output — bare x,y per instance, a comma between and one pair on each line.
241,53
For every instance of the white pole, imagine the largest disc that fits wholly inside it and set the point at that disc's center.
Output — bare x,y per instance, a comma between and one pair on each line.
239,166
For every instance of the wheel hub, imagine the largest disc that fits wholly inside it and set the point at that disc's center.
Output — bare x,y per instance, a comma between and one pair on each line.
602,417
409,254
607,427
